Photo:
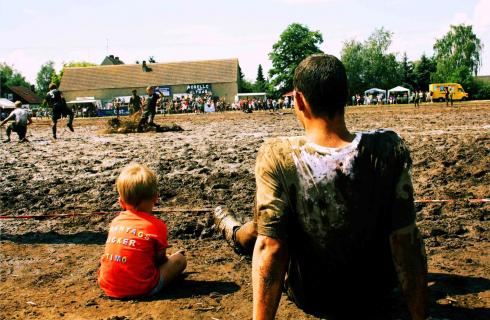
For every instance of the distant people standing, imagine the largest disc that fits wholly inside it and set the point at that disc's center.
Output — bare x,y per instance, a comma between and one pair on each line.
57,102
21,118
451,91
416,99
448,95
134,102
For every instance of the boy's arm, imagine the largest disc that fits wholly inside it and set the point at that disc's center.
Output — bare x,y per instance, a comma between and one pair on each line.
161,257
268,270
408,252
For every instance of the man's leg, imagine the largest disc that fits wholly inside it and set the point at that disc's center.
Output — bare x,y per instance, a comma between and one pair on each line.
69,113
240,237
143,121
8,131
54,119
22,132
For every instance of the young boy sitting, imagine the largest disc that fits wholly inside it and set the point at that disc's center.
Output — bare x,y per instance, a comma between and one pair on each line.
135,262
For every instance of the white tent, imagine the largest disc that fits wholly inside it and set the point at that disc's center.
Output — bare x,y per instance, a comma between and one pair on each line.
375,90
399,89
6,104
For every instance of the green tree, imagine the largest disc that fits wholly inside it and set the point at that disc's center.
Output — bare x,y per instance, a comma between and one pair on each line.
56,78
260,82
295,43
423,70
407,75
353,60
45,76
369,64
11,77
244,86
458,56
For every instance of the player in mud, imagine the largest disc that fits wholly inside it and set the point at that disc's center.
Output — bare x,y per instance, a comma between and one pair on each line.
334,219
21,118
149,112
134,103
57,103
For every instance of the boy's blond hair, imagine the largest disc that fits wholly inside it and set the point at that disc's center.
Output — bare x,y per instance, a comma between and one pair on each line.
136,183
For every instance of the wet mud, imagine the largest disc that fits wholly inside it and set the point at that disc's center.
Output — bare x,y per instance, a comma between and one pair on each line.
48,266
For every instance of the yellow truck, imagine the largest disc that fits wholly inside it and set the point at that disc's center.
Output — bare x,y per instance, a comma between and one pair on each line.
438,92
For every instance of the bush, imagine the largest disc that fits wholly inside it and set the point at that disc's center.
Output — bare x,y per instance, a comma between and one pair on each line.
479,90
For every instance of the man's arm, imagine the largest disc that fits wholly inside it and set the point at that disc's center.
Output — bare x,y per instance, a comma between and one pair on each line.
410,262
268,270
6,119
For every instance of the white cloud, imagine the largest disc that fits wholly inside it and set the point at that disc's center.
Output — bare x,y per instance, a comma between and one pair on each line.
293,2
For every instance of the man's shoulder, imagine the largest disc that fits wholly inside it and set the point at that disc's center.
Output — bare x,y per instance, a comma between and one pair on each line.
385,144
281,146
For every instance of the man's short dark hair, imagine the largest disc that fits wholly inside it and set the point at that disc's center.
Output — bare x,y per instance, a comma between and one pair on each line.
52,86
323,81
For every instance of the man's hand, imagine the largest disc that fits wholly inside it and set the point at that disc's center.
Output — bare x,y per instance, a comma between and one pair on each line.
268,270
408,251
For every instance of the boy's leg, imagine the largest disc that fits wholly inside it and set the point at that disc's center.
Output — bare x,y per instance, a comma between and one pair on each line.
174,266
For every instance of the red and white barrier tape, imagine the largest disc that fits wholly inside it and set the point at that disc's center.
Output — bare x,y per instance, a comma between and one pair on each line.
100,213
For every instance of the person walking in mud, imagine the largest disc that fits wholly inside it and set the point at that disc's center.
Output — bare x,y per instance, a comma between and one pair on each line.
134,102
416,99
334,216
57,103
21,119
149,112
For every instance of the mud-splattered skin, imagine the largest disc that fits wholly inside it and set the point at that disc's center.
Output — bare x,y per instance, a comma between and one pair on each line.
336,208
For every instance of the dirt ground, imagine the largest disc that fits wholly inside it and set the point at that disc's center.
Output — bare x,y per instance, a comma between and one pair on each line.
48,266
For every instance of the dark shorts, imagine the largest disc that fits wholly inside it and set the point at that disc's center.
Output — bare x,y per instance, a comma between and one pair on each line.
20,129
147,113
60,111
158,287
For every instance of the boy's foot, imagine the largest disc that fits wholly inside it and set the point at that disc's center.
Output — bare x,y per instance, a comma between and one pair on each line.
70,126
226,224
23,140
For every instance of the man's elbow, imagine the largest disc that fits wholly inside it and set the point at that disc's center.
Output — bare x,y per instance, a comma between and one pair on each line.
270,247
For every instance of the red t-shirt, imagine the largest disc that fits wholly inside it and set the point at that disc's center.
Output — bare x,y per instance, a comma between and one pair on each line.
128,267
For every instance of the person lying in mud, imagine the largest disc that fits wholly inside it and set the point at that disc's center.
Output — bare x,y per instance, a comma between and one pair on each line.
135,261
150,109
57,103
334,218
21,119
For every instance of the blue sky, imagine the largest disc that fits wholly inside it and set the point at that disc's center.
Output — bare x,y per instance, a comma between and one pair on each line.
32,32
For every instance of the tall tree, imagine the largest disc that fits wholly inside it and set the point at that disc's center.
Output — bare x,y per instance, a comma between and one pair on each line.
260,82
295,43
244,86
458,55
407,75
11,77
353,60
369,64
56,79
45,76
423,70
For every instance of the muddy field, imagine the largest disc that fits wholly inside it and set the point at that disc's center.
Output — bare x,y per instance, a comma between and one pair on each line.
48,266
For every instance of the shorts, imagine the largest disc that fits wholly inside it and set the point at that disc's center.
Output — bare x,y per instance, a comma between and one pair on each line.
20,129
147,113
158,287
60,111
